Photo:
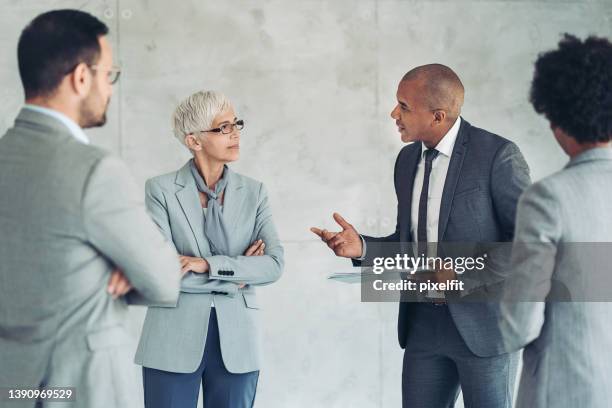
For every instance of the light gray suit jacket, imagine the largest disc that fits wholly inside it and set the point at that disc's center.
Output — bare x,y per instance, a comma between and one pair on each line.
567,358
173,339
69,213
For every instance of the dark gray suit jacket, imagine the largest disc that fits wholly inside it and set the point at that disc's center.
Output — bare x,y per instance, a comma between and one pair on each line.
486,176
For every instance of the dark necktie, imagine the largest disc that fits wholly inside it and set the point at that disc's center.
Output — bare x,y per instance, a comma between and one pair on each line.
430,155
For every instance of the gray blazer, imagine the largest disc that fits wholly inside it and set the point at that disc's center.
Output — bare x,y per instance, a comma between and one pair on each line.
173,339
69,212
486,176
567,357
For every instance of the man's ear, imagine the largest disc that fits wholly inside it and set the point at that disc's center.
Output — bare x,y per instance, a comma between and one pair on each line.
439,116
81,79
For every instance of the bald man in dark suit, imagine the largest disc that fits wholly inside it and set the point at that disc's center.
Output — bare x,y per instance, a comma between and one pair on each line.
454,183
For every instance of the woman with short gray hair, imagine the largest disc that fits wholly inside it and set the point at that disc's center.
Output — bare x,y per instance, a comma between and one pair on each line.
221,225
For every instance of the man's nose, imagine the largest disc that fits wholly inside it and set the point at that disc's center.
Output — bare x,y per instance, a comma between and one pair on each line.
394,114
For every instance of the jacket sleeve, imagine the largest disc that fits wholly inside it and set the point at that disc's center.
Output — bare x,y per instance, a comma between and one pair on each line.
158,210
509,179
538,232
118,226
379,247
253,270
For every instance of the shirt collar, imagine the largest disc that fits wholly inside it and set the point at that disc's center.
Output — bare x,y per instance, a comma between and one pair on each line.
446,144
74,129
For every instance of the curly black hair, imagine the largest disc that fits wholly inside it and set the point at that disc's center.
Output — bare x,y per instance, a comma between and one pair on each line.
572,87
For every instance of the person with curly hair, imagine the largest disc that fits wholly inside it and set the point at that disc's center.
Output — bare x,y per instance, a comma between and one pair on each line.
566,361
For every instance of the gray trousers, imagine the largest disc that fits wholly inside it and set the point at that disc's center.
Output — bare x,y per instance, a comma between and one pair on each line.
437,362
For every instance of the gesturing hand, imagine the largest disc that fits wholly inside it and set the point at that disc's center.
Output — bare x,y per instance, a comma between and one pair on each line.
193,264
118,284
346,243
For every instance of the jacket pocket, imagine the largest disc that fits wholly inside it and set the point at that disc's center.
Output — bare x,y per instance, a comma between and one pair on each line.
250,300
468,191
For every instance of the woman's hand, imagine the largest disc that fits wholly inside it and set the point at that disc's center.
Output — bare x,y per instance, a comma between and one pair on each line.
256,248
118,284
193,264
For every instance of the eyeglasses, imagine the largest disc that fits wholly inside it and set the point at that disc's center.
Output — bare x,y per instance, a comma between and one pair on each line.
112,73
227,128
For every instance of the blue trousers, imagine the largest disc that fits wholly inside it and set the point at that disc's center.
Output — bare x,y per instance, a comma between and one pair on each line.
221,389
437,361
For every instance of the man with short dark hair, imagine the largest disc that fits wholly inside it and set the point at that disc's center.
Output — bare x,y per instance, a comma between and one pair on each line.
455,183
563,235
74,233
65,64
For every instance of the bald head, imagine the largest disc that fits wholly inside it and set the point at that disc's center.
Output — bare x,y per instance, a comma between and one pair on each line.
439,87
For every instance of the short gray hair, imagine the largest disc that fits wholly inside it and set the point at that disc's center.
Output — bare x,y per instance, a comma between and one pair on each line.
197,112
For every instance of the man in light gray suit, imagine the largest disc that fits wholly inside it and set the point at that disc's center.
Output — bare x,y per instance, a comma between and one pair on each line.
69,215
562,222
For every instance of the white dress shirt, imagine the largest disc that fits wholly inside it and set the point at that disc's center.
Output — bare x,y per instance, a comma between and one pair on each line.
437,178
439,169
74,129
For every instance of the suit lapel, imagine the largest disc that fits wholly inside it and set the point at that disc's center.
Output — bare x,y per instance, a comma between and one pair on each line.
233,200
452,177
189,200
408,174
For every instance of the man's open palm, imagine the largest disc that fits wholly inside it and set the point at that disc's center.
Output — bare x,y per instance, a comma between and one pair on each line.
346,243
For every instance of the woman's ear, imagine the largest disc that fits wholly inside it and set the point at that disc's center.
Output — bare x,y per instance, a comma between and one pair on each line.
192,142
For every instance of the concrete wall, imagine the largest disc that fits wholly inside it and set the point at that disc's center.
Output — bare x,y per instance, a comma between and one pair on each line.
315,82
